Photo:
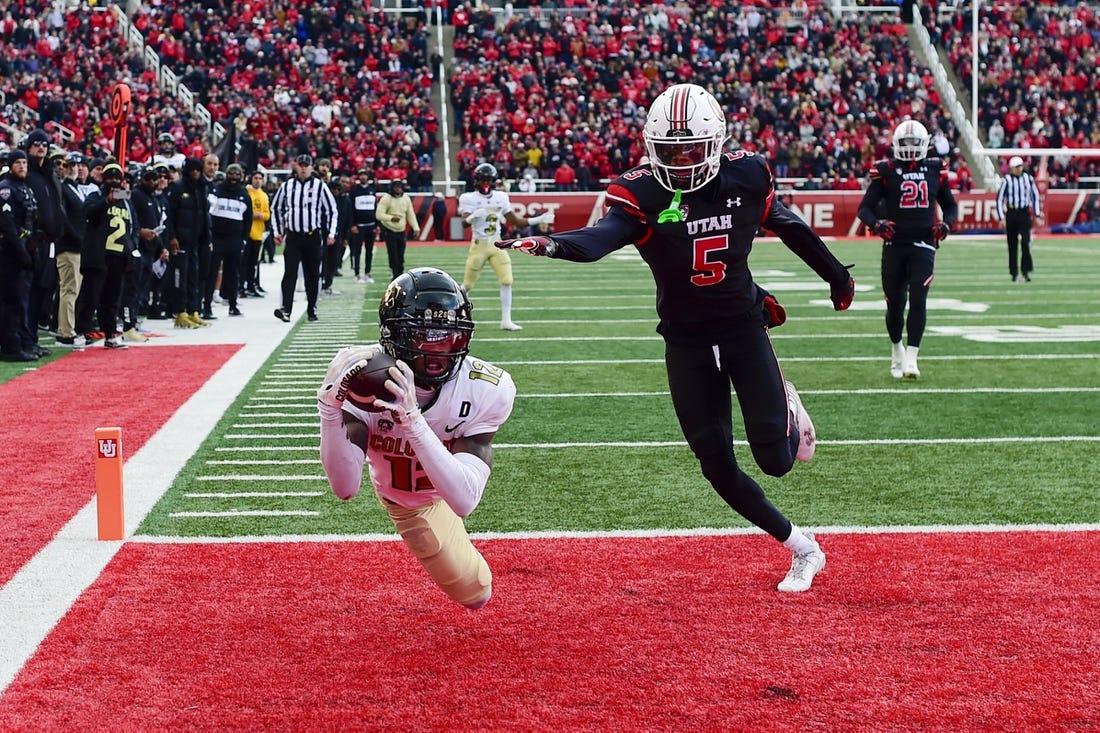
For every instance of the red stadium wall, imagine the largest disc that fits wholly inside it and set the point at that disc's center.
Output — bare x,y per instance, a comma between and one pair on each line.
830,213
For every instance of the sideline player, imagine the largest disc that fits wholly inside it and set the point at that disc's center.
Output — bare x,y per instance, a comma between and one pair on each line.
714,319
430,450
907,188
482,210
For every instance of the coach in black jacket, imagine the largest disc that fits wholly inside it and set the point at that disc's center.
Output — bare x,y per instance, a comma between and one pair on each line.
186,229
231,222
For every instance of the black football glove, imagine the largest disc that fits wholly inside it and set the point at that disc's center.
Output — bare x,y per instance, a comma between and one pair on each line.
537,246
842,294
940,230
884,228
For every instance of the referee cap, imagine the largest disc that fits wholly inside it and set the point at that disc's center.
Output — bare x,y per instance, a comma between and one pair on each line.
304,159
1014,161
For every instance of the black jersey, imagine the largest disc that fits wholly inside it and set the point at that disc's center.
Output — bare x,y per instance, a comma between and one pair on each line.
700,264
908,191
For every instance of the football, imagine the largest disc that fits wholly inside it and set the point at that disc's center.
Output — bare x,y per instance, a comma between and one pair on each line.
370,382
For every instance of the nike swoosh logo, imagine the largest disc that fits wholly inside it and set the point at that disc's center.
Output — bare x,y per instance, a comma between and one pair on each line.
452,428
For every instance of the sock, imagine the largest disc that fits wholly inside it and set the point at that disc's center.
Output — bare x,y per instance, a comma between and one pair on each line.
505,303
898,352
911,354
798,542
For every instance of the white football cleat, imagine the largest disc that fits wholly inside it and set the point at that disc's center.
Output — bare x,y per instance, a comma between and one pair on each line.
910,371
509,326
897,360
804,566
807,436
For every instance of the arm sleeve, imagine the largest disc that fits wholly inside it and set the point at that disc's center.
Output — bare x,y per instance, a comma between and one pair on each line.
342,460
804,242
333,213
277,210
870,202
612,232
948,206
459,478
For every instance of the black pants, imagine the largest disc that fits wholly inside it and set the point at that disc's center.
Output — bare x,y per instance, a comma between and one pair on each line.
178,283
1018,229
362,248
199,263
395,250
250,264
104,290
226,257
699,378
135,289
13,304
907,271
333,256
304,250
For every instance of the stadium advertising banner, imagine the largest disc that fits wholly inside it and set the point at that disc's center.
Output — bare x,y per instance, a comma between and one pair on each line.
830,213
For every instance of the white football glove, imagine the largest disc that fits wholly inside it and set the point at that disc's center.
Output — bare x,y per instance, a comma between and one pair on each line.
348,361
403,406
547,217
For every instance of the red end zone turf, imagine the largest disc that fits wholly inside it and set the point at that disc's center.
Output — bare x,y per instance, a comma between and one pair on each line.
901,632
49,417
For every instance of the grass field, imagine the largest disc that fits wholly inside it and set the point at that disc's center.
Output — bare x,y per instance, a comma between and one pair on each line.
1000,429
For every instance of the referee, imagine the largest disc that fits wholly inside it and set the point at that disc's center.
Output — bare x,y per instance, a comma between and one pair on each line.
301,207
1017,199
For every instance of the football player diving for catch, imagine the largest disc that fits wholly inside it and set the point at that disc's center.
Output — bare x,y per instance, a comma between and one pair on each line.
714,319
428,447
900,206
483,210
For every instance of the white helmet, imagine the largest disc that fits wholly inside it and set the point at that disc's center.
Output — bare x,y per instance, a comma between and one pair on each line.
683,135
911,141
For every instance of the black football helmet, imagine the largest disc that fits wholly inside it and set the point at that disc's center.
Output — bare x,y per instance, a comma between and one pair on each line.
424,320
485,177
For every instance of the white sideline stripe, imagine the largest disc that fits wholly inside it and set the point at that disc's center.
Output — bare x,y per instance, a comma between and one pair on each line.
319,476
42,591
251,494
880,391
630,533
244,513
817,359
880,441
273,462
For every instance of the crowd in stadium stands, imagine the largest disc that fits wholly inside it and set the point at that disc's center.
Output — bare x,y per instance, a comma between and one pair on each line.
557,91
562,95
1037,84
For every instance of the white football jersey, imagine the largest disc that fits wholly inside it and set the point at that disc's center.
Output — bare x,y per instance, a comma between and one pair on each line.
478,399
175,160
496,205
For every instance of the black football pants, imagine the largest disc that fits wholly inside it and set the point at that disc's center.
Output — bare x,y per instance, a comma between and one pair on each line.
907,271
699,378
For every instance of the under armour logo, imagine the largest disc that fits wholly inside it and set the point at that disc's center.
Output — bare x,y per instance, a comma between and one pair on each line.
730,203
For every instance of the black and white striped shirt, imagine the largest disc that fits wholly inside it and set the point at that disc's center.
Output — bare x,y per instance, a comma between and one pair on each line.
1018,192
303,207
